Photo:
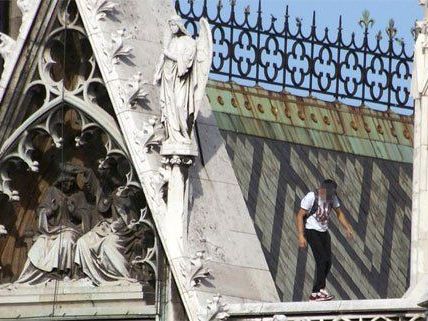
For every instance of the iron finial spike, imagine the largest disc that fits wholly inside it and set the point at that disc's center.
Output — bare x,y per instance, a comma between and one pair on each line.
286,14
219,6
259,15
247,10
313,18
340,22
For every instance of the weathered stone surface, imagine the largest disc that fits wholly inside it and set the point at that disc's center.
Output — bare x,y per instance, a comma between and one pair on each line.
419,250
73,300
154,15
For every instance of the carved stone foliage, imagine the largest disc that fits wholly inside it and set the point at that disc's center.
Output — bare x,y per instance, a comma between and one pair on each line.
135,93
197,271
26,7
215,310
7,46
101,9
116,50
86,189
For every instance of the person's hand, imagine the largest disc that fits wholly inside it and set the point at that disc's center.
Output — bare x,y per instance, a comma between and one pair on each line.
349,234
302,242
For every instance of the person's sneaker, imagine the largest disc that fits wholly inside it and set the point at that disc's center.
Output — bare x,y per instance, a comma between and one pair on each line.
325,295
321,296
314,296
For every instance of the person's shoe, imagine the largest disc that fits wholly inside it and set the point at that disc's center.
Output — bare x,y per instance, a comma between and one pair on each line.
325,295
314,296
321,296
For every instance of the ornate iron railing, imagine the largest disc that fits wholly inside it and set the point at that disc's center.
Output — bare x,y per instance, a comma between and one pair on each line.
279,56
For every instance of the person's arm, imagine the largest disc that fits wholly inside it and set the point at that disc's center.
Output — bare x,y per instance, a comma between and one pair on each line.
300,228
344,222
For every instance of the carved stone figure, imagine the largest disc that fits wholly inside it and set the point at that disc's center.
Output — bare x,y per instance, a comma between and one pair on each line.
63,215
182,74
3,231
101,252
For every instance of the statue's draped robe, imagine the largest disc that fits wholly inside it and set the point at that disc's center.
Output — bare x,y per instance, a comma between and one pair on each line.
101,253
177,89
60,227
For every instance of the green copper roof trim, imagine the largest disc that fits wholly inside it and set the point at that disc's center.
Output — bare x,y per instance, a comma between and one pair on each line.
312,122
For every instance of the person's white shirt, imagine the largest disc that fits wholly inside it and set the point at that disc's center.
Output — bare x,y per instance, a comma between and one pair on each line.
319,220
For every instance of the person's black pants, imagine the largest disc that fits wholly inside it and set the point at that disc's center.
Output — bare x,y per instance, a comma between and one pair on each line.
321,248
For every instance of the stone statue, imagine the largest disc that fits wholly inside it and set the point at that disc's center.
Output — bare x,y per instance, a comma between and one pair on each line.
101,252
3,231
182,74
63,215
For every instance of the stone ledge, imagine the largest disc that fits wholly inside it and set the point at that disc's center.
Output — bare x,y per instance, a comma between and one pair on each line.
74,300
386,306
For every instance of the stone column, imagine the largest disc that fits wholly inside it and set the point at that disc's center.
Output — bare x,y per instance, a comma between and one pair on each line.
419,242
177,196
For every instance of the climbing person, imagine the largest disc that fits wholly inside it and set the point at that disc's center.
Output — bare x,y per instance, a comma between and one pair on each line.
312,228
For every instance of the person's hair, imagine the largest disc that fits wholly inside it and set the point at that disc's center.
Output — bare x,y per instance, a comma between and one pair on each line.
329,184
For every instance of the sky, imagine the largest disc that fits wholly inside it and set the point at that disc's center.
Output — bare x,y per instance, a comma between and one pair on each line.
404,13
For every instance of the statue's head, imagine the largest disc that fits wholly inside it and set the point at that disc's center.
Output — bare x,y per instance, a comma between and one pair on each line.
105,166
108,172
66,180
176,25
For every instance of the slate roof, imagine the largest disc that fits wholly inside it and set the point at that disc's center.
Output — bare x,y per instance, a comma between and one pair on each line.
282,146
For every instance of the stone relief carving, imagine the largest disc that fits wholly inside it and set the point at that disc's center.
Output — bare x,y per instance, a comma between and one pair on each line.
7,46
152,135
197,270
182,74
101,8
3,231
135,93
215,310
27,7
150,254
159,183
116,50
63,215
99,252
83,230
7,50
91,233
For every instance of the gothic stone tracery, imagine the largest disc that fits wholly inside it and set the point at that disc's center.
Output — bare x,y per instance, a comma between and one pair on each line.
80,213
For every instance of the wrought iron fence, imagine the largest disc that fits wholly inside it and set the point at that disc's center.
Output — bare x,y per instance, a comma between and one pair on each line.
280,55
